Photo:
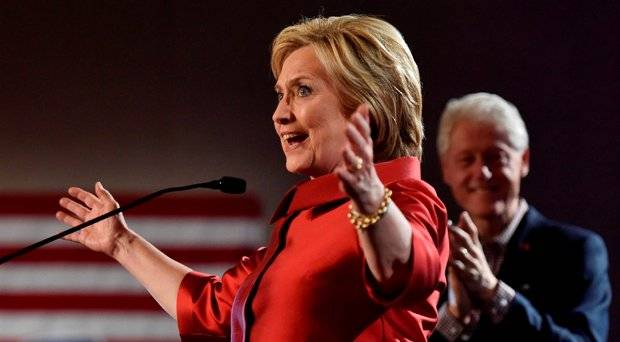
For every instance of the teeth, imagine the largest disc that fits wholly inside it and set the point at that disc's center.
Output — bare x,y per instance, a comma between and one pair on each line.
287,136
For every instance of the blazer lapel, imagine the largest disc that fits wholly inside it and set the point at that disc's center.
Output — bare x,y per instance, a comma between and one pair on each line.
515,270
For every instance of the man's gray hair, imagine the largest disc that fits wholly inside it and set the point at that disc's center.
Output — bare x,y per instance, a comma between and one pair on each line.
482,107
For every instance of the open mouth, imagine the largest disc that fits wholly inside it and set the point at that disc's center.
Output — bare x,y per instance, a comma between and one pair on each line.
294,139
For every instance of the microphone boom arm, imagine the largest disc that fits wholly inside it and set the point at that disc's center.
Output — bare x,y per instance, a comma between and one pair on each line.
223,184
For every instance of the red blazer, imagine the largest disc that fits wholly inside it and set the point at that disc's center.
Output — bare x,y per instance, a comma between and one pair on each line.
312,283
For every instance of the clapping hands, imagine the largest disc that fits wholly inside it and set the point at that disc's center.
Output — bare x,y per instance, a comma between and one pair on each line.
472,279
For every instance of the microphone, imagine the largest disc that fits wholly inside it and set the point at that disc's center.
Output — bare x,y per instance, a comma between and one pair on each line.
229,185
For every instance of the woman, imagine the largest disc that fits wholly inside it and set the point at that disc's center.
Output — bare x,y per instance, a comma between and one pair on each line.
358,251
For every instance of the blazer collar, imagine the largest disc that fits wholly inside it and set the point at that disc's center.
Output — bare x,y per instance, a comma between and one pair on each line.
532,218
321,190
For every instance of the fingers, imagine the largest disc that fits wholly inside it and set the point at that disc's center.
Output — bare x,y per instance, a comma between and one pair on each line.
71,221
84,204
463,261
353,161
76,209
465,234
467,224
347,178
466,272
457,265
104,194
358,144
358,133
459,238
359,151
67,219
463,249
361,120
86,197
357,174
464,255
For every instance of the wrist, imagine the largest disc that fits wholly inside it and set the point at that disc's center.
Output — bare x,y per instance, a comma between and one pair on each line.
488,290
499,305
371,201
362,220
448,324
462,315
123,242
453,311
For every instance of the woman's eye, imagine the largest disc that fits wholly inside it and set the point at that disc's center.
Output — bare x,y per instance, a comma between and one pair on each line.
280,96
303,91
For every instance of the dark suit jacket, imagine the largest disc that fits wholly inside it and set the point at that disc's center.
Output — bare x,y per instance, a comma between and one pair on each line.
559,273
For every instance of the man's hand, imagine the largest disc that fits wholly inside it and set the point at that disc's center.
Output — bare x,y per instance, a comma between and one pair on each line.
459,303
469,263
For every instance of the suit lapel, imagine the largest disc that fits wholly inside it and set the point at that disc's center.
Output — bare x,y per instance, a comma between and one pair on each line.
515,270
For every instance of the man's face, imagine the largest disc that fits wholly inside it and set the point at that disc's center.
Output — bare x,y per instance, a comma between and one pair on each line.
483,170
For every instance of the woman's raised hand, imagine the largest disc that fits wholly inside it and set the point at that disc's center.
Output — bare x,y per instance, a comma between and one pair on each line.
357,174
83,206
387,246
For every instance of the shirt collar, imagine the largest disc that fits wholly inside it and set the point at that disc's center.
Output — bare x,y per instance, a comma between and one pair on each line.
507,233
324,189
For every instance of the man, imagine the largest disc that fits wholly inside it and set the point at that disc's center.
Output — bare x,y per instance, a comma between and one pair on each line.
514,275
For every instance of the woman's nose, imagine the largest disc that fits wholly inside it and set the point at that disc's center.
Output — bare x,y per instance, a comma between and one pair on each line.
283,113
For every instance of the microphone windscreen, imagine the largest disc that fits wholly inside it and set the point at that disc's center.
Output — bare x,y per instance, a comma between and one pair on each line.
232,185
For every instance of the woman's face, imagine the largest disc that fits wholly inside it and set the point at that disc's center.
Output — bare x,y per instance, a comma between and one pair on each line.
308,119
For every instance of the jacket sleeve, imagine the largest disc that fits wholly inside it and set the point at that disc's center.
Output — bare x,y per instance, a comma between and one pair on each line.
586,318
427,218
581,310
204,301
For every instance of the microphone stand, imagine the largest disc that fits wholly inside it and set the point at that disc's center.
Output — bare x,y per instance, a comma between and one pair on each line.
225,184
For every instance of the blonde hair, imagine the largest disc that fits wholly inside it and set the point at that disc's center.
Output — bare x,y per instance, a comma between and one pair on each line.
482,107
371,63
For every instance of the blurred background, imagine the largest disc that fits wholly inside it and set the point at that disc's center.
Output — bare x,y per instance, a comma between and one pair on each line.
143,95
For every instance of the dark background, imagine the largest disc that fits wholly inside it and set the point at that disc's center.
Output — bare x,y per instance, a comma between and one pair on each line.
147,94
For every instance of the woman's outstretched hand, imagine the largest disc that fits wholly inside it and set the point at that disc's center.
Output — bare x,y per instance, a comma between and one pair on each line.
159,274
83,206
357,174
387,244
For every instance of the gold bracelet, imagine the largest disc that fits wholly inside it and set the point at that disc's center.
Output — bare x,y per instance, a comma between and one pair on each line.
364,221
